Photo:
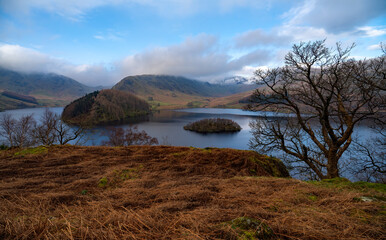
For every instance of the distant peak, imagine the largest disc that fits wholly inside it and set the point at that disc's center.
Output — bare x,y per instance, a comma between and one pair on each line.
234,80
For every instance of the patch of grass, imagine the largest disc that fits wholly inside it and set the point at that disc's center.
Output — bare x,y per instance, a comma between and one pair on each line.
272,165
29,151
343,183
125,174
251,229
103,182
178,154
120,176
156,104
312,197
195,104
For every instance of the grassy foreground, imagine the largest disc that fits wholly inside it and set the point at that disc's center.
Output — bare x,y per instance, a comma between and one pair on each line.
162,192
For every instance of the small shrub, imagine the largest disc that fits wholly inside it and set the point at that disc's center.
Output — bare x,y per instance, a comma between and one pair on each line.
249,228
213,125
103,182
3,147
129,136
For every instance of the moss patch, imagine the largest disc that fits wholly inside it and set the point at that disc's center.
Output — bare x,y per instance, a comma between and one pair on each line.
29,151
251,229
272,165
343,183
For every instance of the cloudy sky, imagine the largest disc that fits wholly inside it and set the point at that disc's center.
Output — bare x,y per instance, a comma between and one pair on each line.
98,42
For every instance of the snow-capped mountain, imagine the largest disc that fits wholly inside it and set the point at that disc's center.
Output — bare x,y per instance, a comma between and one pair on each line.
235,80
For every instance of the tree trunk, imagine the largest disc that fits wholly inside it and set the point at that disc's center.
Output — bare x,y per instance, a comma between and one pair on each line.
332,167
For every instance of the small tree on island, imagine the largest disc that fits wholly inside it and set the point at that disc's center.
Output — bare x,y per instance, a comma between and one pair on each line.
328,95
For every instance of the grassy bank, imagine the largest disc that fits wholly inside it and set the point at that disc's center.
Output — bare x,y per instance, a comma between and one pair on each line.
173,193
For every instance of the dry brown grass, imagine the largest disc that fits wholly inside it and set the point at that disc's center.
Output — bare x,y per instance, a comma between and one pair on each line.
168,193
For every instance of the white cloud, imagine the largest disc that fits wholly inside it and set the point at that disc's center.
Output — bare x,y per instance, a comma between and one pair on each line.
374,47
200,57
197,57
110,36
316,20
76,9
23,59
335,16
370,31
259,37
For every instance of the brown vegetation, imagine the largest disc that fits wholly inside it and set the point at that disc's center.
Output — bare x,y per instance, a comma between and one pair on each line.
67,192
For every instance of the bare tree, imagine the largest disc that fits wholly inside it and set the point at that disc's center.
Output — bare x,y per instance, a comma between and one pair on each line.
129,136
116,136
45,132
7,128
66,134
326,95
23,133
135,137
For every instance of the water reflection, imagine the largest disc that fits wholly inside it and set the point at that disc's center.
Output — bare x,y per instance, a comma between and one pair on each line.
167,126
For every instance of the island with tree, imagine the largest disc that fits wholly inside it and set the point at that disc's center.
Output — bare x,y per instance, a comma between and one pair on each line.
213,125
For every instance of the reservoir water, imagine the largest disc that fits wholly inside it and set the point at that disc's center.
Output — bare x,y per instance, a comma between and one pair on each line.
167,126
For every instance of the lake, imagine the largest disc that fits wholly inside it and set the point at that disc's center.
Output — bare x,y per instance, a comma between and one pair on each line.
167,126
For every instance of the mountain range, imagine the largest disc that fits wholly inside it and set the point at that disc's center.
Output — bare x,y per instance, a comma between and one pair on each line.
24,90
164,91
49,89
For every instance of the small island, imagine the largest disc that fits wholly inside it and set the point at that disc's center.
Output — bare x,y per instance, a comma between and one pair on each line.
213,125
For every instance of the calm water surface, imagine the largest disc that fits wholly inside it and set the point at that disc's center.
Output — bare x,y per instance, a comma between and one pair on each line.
167,126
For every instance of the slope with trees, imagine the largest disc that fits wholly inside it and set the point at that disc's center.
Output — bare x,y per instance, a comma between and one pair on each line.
328,94
103,107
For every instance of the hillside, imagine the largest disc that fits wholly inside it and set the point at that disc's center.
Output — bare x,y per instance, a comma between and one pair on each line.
237,100
11,100
161,192
164,91
48,88
105,107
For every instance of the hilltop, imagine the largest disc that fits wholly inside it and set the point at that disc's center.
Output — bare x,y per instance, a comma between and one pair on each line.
104,107
48,89
162,192
163,91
